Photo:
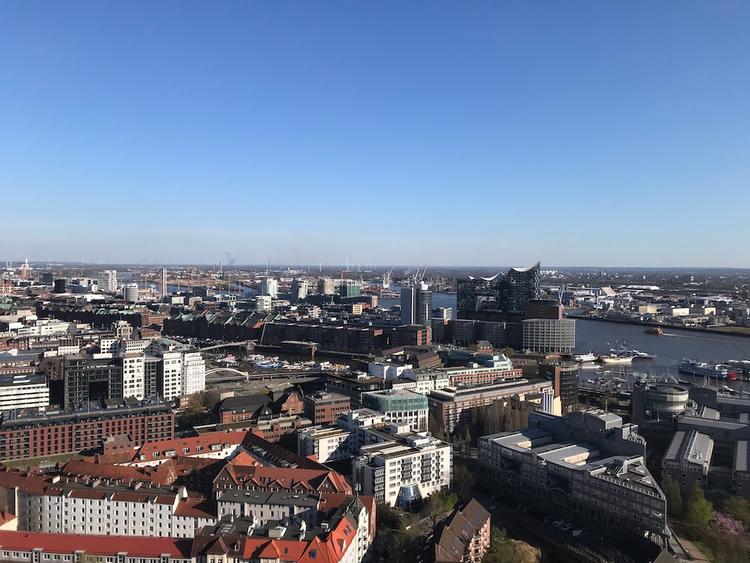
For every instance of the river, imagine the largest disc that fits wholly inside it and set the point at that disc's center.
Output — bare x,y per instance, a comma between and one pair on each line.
669,349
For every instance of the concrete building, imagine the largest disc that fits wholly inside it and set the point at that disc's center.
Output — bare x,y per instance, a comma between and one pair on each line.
299,290
401,407
91,378
170,376
263,303
688,459
326,444
23,391
387,369
658,401
130,292
588,467
548,336
133,375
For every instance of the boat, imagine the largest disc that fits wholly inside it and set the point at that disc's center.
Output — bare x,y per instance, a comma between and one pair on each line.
614,357
585,358
642,355
704,369
654,330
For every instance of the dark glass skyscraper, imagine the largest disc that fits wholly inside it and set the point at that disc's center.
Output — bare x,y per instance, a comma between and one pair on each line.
509,293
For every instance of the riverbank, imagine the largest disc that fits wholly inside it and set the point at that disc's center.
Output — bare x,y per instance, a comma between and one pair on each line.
741,331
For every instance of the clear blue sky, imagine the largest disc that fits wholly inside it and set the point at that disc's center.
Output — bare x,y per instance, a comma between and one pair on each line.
466,133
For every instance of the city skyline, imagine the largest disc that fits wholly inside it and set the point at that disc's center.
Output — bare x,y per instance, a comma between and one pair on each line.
608,135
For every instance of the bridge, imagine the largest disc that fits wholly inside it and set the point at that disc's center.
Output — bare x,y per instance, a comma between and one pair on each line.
258,376
226,345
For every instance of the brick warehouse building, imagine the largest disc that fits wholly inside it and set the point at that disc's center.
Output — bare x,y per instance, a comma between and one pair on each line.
324,407
29,435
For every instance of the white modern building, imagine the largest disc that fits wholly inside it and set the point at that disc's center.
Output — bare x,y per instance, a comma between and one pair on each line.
193,373
269,286
23,391
133,375
108,281
401,472
170,376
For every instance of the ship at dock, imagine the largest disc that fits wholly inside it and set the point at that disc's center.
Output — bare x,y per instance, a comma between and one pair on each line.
705,369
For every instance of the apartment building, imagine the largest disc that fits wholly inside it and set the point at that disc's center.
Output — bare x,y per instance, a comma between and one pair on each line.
410,468
25,434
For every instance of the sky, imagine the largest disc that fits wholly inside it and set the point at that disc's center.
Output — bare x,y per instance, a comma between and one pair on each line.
386,132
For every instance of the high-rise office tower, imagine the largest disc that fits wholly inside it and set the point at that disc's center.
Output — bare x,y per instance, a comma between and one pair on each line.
408,304
416,305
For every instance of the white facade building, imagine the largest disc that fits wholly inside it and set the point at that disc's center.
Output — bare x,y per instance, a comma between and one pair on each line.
133,375
108,281
95,511
193,373
170,377
27,391
269,286
399,473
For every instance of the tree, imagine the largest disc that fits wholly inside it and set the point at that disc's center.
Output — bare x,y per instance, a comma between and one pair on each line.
738,508
464,481
672,491
698,510
506,550
438,505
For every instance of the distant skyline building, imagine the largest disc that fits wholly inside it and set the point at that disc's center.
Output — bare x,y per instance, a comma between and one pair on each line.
108,281
509,293
326,286
269,286
164,282
349,288
416,304
299,289
130,292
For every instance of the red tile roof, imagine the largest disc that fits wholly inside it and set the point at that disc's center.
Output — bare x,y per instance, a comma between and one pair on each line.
178,445
95,545
31,484
78,468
